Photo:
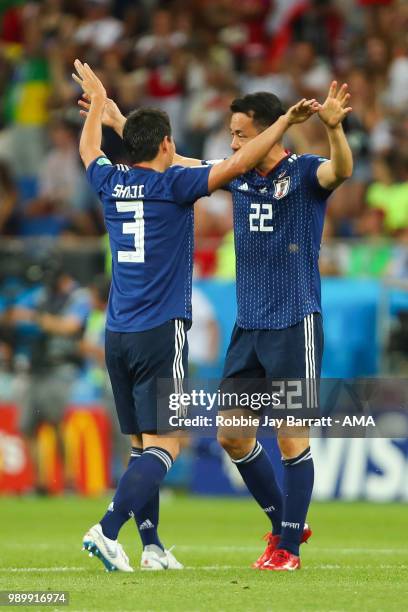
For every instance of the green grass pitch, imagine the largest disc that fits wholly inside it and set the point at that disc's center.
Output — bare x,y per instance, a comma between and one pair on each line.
357,558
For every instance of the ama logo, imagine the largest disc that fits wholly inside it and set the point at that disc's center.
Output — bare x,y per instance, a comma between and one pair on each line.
281,187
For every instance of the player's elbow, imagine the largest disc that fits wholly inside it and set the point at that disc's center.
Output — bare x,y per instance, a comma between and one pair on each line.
243,168
88,154
83,152
346,172
238,164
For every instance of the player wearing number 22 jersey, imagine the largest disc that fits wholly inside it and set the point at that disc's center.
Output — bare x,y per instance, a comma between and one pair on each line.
279,210
278,223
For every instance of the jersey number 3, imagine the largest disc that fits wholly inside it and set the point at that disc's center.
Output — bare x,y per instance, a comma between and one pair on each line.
137,228
257,219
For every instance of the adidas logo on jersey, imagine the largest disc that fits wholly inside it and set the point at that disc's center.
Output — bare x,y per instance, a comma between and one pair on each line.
147,524
263,190
243,187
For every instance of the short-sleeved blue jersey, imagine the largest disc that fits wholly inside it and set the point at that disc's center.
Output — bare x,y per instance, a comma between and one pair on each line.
149,219
278,224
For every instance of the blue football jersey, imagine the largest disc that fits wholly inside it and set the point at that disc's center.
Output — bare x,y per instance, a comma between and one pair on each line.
278,224
149,219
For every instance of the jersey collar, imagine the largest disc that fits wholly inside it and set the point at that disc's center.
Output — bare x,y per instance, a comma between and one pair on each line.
265,174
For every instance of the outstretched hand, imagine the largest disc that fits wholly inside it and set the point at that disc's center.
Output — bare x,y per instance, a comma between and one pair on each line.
335,108
87,79
111,115
301,111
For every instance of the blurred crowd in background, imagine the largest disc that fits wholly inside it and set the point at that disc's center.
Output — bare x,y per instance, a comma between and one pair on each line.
190,58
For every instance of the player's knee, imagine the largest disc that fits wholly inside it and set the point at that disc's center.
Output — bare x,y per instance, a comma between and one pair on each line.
236,447
169,444
173,448
292,447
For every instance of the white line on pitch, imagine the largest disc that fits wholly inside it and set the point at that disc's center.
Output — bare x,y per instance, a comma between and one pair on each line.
210,568
42,569
244,549
368,551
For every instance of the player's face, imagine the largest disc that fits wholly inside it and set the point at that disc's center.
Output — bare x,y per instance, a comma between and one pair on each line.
242,130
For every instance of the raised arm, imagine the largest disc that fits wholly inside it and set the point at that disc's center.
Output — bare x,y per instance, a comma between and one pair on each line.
332,173
91,137
248,156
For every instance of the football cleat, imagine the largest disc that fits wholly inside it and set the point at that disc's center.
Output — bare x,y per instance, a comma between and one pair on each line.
272,545
154,558
110,553
282,561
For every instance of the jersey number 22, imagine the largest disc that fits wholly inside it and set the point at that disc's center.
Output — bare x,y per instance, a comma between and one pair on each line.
257,219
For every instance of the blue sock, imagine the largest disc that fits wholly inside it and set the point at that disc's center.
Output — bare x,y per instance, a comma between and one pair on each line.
137,486
257,472
147,519
298,478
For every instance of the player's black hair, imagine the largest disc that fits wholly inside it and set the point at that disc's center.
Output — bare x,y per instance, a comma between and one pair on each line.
144,131
263,107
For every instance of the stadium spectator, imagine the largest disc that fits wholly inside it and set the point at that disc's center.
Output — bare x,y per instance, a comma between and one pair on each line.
92,349
187,58
256,77
57,312
99,29
311,73
8,201
26,97
389,192
65,201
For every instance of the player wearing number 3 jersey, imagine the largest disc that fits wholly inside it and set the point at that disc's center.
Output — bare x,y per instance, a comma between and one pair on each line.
149,217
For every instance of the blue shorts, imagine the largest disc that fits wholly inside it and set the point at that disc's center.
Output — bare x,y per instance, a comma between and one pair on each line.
294,353
135,362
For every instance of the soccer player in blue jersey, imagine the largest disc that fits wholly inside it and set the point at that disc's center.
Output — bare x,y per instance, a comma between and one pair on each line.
149,217
279,210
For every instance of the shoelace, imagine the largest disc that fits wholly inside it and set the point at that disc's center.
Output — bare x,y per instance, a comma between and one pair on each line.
270,538
280,555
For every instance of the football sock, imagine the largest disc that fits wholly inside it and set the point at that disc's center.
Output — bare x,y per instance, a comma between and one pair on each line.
257,472
137,486
147,519
298,478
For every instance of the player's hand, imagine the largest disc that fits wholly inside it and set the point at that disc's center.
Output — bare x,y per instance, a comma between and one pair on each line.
335,108
111,115
87,79
301,111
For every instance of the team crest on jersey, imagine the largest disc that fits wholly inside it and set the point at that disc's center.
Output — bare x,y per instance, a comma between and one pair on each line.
281,187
